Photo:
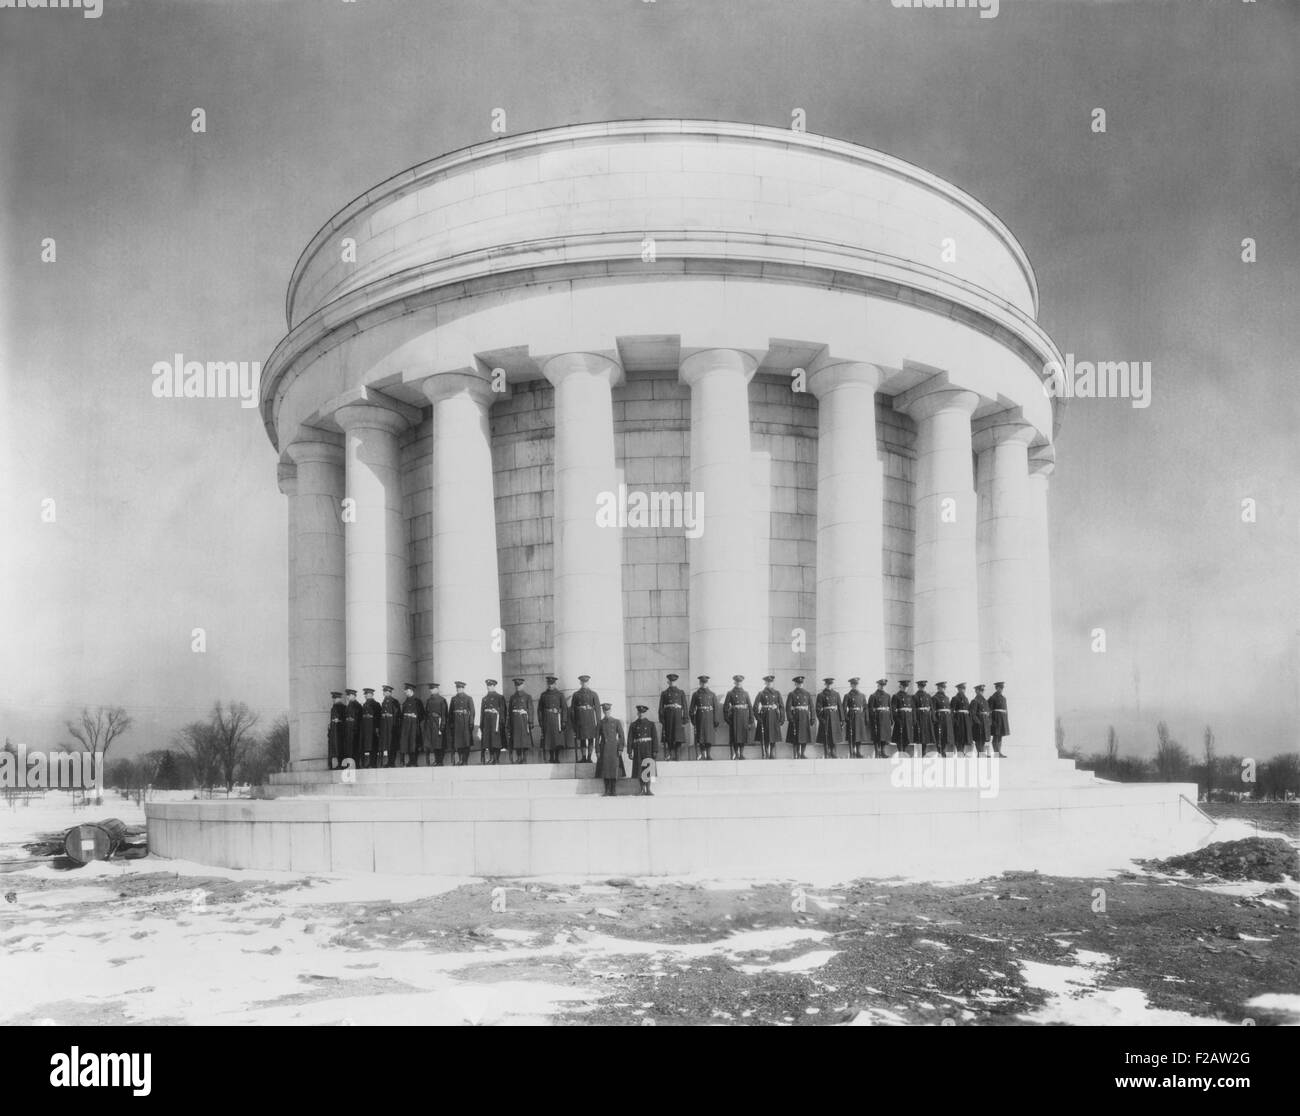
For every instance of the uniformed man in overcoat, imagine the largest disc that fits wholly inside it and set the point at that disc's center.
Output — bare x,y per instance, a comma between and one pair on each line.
672,717
643,740
584,716
368,756
553,713
923,712
706,718
769,714
798,715
830,718
903,716
856,730
390,726
521,723
412,727
353,726
960,707
981,719
435,724
880,712
1001,723
942,718
492,723
612,746
338,730
739,716
460,724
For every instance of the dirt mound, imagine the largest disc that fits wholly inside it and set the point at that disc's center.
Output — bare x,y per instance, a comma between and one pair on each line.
1254,858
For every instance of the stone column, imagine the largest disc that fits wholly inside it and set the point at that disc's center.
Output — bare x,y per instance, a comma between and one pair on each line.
287,478
317,644
850,523
468,638
1039,705
588,578
378,598
946,594
723,635
1006,602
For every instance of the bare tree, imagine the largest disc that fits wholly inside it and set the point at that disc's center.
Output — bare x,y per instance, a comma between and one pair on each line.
277,744
1171,757
1209,763
1060,737
197,741
232,728
96,733
1112,745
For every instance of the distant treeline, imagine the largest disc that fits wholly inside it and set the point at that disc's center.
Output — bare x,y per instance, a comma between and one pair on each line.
220,752
1221,777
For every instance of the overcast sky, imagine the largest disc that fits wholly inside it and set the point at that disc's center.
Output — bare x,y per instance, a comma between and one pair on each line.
167,516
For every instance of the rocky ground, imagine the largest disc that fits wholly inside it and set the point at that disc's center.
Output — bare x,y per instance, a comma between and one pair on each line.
157,941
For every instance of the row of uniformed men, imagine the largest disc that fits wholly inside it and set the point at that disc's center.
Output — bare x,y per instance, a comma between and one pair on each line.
903,719
372,733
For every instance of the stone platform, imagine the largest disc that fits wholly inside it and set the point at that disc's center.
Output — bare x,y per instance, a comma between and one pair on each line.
752,818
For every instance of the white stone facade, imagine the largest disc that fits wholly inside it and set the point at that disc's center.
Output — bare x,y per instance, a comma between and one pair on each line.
486,342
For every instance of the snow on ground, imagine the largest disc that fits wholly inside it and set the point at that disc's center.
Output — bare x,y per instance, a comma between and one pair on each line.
274,949
1287,1002
1075,996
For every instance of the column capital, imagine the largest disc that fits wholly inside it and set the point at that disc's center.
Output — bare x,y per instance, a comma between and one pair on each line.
1042,459
825,375
933,396
562,365
371,410
699,364
315,447
999,429
474,384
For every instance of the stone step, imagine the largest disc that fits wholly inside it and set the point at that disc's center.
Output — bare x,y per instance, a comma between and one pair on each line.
681,778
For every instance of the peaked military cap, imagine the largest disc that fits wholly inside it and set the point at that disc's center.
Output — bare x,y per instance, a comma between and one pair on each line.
642,708
517,681
673,677
584,678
